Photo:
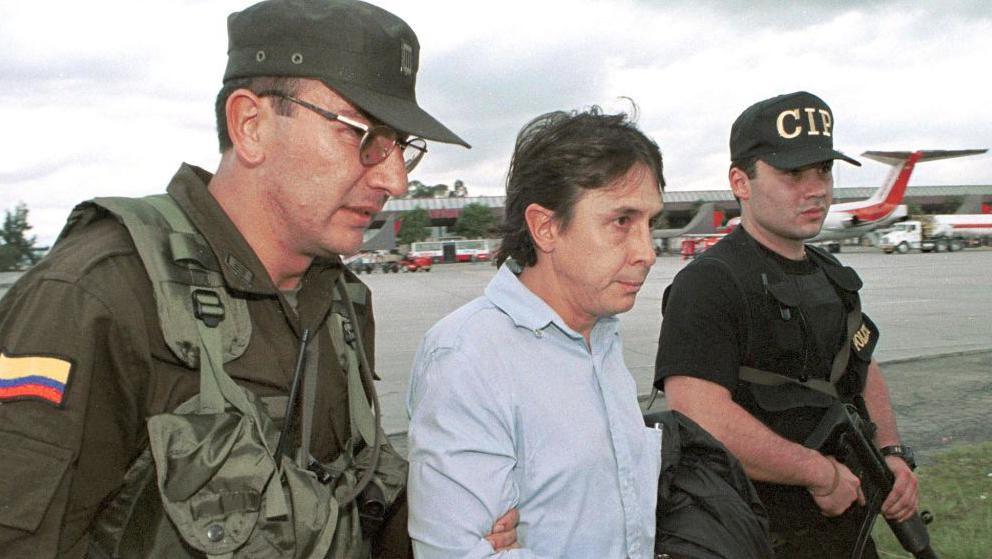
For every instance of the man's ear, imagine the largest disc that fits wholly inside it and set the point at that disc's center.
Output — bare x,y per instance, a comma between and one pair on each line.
245,113
543,227
740,184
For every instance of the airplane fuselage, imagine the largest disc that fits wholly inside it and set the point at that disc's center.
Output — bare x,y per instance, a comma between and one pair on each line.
843,225
884,207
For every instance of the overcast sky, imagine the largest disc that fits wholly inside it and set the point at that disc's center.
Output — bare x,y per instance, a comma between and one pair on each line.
107,97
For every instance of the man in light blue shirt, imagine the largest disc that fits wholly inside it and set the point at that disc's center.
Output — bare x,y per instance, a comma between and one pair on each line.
521,399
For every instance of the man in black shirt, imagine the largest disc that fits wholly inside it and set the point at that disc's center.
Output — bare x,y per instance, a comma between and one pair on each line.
763,305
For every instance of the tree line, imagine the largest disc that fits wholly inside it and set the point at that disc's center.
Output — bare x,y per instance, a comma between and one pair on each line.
476,222
417,189
17,249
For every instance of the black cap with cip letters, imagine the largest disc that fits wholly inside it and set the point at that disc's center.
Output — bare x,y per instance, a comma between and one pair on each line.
366,54
787,132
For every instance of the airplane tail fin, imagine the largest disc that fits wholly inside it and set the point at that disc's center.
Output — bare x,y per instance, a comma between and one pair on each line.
972,204
903,163
385,239
701,224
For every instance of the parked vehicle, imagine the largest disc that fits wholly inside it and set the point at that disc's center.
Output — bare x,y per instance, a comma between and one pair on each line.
389,261
453,250
694,245
361,264
415,263
936,233
925,234
367,262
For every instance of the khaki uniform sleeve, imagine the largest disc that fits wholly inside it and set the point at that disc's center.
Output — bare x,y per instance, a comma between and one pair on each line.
64,415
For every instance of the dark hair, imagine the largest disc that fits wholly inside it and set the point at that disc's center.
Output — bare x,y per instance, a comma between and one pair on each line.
560,154
749,165
286,86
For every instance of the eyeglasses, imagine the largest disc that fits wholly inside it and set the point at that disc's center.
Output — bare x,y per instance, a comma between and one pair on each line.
378,140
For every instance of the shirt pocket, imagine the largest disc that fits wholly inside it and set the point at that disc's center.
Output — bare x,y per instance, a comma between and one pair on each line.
33,471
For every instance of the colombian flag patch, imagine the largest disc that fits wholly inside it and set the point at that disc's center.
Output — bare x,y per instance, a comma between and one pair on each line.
34,377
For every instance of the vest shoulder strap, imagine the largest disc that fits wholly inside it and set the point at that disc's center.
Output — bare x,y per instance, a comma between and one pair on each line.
839,364
768,378
179,263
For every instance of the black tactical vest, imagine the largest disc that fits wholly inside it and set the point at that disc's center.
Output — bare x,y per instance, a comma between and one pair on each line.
790,386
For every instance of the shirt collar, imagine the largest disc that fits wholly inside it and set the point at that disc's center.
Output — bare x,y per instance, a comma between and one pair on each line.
529,311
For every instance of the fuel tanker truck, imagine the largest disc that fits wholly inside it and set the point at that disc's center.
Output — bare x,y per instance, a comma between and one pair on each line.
936,233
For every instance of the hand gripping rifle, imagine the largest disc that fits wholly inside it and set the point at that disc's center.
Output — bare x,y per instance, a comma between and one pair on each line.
844,434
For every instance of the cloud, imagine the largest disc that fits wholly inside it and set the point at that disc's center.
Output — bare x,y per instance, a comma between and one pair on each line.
109,96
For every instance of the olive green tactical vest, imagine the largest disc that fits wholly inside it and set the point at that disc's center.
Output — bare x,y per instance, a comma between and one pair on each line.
211,483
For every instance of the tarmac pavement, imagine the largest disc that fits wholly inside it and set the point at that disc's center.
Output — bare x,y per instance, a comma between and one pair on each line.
934,312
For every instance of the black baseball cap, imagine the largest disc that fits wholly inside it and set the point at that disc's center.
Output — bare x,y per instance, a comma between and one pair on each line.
787,132
363,52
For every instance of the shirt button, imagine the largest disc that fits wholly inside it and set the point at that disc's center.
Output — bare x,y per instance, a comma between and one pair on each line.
538,333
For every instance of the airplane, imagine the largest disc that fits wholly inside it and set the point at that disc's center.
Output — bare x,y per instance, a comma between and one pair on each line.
705,222
884,207
973,204
855,219
385,238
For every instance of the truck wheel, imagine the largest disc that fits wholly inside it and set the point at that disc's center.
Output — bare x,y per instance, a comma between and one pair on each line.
941,245
902,247
954,246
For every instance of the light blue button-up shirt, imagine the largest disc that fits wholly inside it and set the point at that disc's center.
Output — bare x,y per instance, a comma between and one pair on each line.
510,408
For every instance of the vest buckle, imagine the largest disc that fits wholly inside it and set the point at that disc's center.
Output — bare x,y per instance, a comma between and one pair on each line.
208,307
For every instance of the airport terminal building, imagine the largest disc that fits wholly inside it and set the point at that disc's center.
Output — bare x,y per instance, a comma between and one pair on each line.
680,206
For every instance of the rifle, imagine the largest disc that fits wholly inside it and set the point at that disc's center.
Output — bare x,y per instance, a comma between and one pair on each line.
844,434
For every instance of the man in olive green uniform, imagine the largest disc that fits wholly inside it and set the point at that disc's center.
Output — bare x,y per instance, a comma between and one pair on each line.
318,126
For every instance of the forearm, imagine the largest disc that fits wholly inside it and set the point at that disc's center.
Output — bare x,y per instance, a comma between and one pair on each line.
461,460
765,455
451,513
902,501
879,406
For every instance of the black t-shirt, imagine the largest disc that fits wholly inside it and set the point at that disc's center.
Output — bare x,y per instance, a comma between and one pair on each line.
703,335
703,331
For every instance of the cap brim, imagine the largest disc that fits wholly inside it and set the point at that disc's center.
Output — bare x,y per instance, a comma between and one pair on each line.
794,159
400,114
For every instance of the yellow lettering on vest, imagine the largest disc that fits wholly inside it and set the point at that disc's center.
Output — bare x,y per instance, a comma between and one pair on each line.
780,123
812,123
862,337
827,120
